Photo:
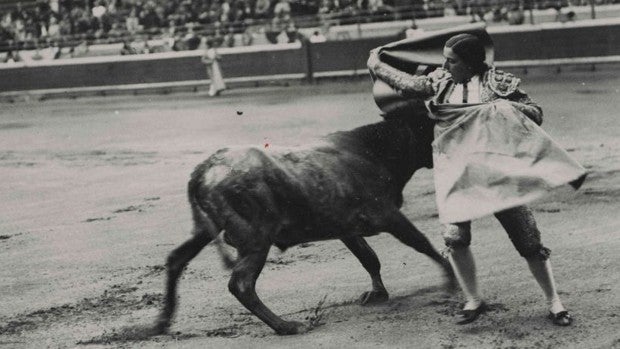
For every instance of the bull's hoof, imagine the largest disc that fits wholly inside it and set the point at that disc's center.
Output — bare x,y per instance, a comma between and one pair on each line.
292,327
160,327
374,297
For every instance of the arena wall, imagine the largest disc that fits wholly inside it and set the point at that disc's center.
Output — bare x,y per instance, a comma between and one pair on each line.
584,40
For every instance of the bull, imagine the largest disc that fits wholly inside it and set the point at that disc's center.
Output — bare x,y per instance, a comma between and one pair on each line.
347,186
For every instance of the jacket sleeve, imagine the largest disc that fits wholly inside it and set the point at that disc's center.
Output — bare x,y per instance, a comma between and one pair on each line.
526,105
404,83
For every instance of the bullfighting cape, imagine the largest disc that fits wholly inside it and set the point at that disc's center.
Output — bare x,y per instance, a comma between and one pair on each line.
489,157
419,55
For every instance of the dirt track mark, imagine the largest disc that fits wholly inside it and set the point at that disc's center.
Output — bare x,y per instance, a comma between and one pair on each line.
592,91
600,194
8,236
12,159
138,207
96,219
14,125
106,157
132,208
115,300
130,334
92,158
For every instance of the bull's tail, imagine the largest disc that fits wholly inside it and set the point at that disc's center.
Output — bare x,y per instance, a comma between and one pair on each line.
204,224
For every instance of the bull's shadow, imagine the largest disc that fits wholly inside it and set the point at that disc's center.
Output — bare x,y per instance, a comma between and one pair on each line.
346,186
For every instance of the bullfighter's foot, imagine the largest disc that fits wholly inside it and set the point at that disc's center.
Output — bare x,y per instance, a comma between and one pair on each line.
374,297
292,327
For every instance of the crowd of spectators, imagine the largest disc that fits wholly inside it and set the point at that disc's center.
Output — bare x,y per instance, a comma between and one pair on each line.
182,24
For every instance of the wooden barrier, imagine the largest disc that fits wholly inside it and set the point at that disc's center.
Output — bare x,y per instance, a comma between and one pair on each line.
554,42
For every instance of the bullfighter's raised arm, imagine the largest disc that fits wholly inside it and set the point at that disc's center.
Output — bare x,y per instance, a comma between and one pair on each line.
404,83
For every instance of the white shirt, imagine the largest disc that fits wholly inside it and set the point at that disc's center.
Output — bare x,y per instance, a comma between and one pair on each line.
474,87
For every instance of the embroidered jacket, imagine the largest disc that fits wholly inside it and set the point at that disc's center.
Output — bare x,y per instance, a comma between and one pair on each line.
438,85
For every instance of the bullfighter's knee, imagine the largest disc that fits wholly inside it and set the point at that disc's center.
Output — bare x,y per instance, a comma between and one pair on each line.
457,235
521,227
539,252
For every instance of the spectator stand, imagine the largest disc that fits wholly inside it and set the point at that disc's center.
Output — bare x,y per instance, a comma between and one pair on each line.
52,29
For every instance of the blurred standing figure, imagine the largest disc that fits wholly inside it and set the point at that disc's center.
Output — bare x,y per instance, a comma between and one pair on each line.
211,58
413,31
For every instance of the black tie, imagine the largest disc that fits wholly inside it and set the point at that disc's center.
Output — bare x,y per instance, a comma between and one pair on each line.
465,92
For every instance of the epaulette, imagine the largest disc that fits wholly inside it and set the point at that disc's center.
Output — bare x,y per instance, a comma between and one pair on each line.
502,83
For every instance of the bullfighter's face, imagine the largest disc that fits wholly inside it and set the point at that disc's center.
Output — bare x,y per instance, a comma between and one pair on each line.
461,72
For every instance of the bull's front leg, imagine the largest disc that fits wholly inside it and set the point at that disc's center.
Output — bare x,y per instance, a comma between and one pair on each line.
399,226
242,286
369,260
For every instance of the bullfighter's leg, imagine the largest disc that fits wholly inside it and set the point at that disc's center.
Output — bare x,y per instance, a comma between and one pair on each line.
242,285
369,260
177,260
520,225
401,228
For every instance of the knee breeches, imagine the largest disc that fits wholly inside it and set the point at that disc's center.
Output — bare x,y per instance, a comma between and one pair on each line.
518,222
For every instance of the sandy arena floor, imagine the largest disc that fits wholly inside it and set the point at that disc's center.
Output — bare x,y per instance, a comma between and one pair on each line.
93,200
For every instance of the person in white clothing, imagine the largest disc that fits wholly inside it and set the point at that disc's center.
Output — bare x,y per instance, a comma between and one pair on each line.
210,59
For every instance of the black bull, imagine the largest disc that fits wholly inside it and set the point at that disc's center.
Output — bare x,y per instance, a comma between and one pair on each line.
347,186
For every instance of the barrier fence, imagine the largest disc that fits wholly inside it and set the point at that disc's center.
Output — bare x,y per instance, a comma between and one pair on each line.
587,41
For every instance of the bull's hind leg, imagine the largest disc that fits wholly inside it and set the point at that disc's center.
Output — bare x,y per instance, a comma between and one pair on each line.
177,260
242,285
401,228
369,260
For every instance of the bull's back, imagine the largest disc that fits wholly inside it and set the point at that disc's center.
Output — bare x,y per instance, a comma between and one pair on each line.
303,194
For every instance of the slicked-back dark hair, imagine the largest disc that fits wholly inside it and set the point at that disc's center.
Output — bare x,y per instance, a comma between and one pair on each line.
470,49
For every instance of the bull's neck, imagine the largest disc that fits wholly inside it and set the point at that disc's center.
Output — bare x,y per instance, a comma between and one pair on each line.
392,143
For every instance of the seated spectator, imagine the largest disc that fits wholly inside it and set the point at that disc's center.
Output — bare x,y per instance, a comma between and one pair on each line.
115,32
282,10
12,57
477,11
292,33
229,39
53,29
84,23
413,31
261,9
215,35
99,10
192,41
247,38
500,14
132,23
127,49
516,16
272,31
317,36
225,11
564,17
79,50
